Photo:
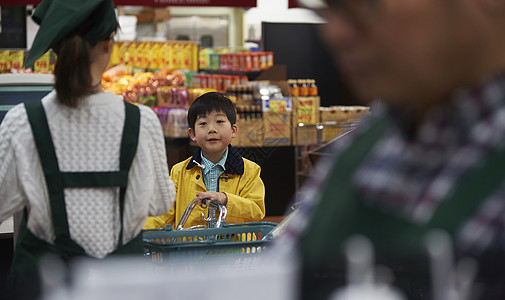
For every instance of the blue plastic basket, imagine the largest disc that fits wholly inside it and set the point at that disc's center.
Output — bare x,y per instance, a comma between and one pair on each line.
242,243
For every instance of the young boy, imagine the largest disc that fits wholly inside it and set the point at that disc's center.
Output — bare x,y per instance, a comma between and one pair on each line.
216,171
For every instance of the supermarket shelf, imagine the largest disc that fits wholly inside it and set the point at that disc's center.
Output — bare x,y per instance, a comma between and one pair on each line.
304,150
26,79
250,75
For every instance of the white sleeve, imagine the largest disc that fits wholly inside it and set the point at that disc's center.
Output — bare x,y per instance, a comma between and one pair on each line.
11,195
163,200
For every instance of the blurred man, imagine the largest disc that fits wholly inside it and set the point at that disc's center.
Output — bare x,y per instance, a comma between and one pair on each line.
433,159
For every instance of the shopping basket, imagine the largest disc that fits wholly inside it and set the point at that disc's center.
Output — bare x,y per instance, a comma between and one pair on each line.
240,245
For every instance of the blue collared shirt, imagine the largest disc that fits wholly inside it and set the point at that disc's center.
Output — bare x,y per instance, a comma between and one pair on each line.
212,171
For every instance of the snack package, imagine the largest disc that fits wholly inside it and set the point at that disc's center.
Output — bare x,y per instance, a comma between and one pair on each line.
132,54
154,63
114,57
4,61
17,59
42,65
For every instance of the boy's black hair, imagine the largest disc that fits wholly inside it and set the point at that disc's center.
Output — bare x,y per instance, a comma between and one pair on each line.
210,102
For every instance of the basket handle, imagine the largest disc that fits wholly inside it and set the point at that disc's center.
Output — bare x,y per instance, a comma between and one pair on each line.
222,212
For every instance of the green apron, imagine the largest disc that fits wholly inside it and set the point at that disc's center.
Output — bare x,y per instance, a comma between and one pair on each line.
398,243
24,281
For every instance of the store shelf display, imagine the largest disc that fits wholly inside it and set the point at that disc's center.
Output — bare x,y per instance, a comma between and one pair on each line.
12,62
235,61
312,140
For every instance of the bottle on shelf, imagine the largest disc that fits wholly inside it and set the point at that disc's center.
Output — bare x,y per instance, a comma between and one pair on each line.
304,87
313,88
294,88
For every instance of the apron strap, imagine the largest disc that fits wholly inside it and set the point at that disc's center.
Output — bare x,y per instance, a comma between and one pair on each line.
129,143
467,195
49,161
56,181
95,179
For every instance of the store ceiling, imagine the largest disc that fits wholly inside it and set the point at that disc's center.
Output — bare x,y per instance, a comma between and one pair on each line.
228,3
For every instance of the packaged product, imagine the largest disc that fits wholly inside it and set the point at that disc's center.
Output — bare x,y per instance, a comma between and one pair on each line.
42,65
17,59
154,63
114,57
164,55
186,52
132,54
123,54
4,61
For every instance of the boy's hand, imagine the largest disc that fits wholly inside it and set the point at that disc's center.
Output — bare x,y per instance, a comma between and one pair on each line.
216,196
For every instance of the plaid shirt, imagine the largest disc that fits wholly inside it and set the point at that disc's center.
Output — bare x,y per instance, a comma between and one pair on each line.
412,174
212,171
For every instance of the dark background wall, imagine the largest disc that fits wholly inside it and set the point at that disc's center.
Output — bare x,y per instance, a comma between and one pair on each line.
13,33
299,47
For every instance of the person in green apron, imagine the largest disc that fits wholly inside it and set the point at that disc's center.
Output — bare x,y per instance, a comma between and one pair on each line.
86,167
431,158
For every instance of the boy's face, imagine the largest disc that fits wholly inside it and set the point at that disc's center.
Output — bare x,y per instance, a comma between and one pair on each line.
213,133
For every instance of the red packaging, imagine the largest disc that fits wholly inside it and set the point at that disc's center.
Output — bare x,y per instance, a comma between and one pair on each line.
235,66
248,61
255,57
225,61
241,62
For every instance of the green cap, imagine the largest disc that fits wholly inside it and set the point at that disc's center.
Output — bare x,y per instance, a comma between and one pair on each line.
94,20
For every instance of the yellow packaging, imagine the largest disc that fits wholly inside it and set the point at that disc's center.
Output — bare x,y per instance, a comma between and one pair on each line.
185,56
5,61
306,109
163,55
278,105
144,55
42,64
194,57
132,54
154,63
204,56
114,56
138,55
123,53
17,58
174,56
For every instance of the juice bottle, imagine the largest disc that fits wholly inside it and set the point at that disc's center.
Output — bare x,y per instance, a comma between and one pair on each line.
313,88
294,88
304,87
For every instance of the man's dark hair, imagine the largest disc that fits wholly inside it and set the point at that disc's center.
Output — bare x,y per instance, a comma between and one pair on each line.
211,102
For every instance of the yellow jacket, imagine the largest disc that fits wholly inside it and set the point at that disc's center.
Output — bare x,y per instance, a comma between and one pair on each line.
244,188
